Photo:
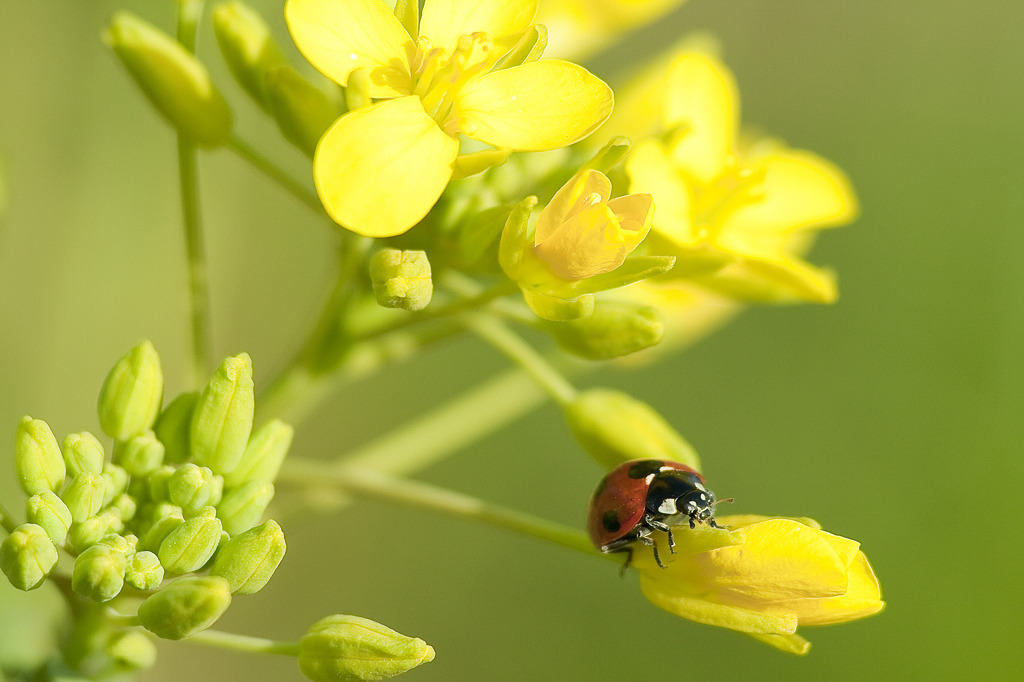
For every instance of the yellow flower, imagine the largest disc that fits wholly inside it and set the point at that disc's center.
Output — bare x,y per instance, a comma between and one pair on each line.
381,168
737,216
766,577
577,28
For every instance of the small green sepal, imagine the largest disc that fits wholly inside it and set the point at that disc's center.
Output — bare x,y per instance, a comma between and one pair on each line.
529,48
27,556
186,606
37,457
131,394
248,560
351,648
557,309
223,416
515,238
475,163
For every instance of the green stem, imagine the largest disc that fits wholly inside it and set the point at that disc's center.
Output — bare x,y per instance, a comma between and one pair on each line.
275,173
252,645
6,520
523,354
374,484
189,12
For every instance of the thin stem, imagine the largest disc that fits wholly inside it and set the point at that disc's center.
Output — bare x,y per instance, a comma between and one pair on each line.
377,485
252,645
199,298
523,354
275,173
6,520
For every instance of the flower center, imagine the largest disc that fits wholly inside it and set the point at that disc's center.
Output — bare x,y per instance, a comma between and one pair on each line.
438,76
717,200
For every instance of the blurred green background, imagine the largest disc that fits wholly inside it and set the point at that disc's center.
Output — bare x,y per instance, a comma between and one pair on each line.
893,417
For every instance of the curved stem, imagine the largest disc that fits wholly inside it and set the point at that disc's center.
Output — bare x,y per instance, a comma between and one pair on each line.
275,173
252,645
6,520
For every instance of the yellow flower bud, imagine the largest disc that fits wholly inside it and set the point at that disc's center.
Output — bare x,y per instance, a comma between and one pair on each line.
186,606
173,425
401,279
27,556
99,573
615,328
177,84
352,648
84,495
302,111
131,394
189,546
263,454
83,452
248,560
223,416
248,47
49,512
243,507
615,428
37,457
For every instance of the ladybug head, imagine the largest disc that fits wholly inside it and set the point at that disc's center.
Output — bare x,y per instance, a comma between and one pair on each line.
699,505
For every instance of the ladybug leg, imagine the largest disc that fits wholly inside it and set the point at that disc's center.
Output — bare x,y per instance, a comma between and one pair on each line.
644,537
629,559
665,528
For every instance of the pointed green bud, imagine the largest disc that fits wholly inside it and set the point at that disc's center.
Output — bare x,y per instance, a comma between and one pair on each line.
615,427
186,606
160,528
177,83
49,512
303,111
140,455
247,46
263,455
189,546
84,495
616,328
131,394
83,452
248,560
144,571
99,573
125,505
559,310
191,487
401,279
117,481
37,457
131,650
242,508
352,648
173,425
223,416
87,533
27,556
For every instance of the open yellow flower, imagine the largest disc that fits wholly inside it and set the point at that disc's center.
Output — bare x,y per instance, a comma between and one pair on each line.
381,168
780,574
736,216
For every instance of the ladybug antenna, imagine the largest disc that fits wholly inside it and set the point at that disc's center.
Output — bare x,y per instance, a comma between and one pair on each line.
718,502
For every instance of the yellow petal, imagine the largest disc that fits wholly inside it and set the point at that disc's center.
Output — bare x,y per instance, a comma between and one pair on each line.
782,279
791,644
711,613
567,200
701,100
588,244
533,107
340,37
444,21
801,190
380,169
863,598
635,213
651,171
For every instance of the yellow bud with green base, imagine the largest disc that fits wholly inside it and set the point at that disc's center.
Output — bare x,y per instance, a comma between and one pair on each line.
27,556
222,419
49,512
99,572
186,606
37,457
352,648
132,393
248,560
189,546
82,452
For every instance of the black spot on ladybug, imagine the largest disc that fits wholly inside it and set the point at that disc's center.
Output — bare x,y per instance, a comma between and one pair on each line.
610,521
645,468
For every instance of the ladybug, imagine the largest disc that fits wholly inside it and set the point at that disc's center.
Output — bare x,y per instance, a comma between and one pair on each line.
645,495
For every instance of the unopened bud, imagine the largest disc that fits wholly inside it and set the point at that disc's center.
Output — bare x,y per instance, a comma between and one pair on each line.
556,309
302,111
161,527
117,481
223,416
125,505
93,529
352,648
616,328
249,560
242,508
263,454
177,83
614,428
248,47
83,452
189,546
49,512
158,483
131,394
144,571
131,650
401,279
188,605
37,457
84,495
140,455
173,425
27,556
99,572
191,487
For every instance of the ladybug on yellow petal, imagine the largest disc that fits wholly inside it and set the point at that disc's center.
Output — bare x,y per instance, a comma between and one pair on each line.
644,495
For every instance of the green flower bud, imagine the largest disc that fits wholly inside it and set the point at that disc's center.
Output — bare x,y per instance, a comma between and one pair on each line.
353,648
84,495
189,546
83,452
302,111
158,483
144,571
248,47
177,83
223,416
191,487
557,309
401,279
614,428
132,392
131,650
616,328
27,556
49,512
186,606
161,527
242,508
173,425
263,455
125,544
140,455
37,457
248,561
99,573
125,505
117,481
87,533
